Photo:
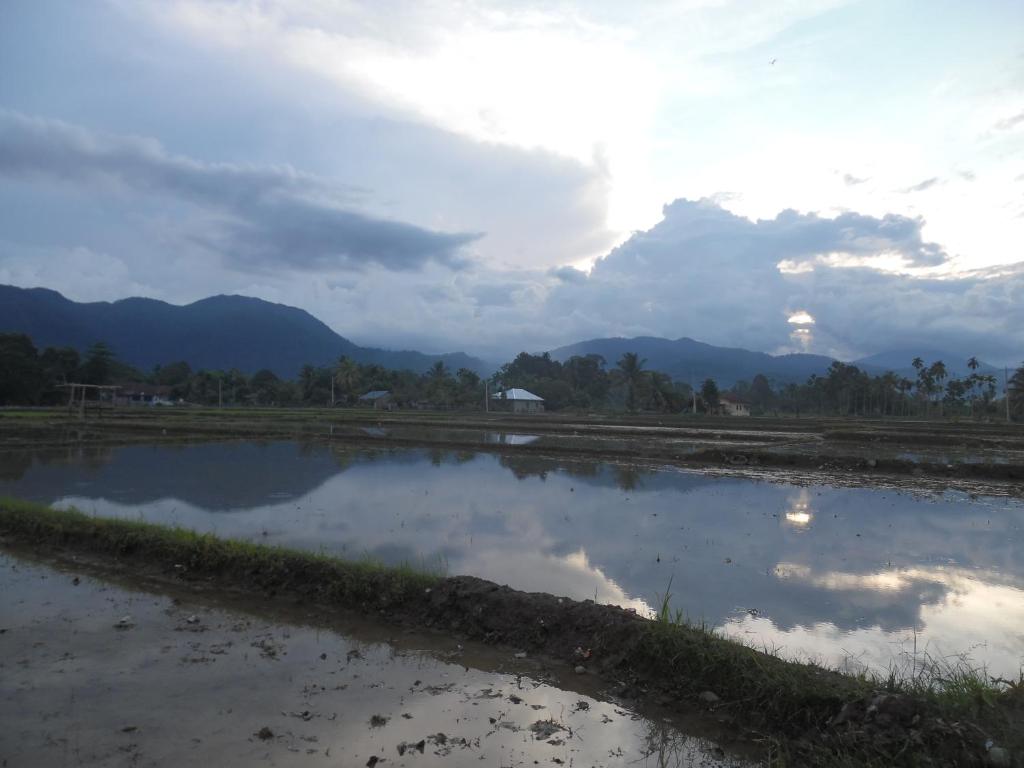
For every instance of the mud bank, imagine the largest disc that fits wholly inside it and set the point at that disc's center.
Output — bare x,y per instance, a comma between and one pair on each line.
807,713
105,671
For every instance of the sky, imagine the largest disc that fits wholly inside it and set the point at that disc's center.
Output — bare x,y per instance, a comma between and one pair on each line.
832,176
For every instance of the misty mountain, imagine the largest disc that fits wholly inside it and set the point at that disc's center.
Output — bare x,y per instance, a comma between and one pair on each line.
685,358
220,332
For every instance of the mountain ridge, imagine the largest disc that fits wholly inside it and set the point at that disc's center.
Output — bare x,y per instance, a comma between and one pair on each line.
215,332
685,359
233,331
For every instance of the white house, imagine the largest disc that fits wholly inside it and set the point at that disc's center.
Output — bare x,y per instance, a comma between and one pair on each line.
733,406
519,401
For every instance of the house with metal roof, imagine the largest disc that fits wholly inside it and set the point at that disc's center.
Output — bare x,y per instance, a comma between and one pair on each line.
518,401
379,399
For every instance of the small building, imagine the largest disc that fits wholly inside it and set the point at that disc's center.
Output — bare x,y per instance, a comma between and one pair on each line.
143,394
731,405
378,399
518,401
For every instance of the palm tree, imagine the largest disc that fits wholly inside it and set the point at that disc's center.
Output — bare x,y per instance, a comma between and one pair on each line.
1015,393
307,382
938,374
973,364
631,367
346,376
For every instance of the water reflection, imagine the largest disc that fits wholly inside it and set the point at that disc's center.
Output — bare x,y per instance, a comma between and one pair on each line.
833,573
799,514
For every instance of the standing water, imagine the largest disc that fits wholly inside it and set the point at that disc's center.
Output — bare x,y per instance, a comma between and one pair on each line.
861,577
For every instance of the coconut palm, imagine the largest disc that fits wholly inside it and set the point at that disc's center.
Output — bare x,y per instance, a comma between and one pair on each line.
972,380
937,372
346,376
631,367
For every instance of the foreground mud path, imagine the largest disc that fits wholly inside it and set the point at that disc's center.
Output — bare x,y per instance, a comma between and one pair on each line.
96,673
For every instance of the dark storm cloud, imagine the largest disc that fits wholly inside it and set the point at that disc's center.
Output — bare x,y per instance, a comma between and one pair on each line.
270,216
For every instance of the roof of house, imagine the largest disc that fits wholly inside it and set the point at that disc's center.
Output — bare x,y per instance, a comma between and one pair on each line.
516,394
727,398
133,388
376,394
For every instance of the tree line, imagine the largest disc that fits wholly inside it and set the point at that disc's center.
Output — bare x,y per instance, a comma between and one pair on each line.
586,382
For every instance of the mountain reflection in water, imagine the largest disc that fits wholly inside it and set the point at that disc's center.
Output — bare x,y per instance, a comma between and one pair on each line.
854,574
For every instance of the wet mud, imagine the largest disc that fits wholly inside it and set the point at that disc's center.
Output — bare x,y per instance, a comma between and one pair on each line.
98,672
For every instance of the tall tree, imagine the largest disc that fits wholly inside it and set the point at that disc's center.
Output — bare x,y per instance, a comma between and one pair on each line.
709,394
20,370
937,374
347,378
631,367
1015,391
99,364
972,380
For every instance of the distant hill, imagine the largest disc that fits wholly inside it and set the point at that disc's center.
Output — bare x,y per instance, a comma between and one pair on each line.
685,358
220,332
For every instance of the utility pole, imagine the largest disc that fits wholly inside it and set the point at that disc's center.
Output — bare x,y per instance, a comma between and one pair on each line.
220,392
487,400
693,389
332,389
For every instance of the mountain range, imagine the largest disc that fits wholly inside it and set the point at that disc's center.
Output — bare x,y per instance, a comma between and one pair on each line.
220,332
223,332
686,359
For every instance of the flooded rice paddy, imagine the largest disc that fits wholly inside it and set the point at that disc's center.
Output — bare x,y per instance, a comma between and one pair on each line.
855,576
99,674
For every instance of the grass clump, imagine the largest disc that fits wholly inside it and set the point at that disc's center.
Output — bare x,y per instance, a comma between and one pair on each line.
191,554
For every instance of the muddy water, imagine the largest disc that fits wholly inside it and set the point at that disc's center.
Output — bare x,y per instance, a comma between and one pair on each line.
96,674
866,577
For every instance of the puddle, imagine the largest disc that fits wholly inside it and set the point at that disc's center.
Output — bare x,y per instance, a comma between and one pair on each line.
96,674
864,577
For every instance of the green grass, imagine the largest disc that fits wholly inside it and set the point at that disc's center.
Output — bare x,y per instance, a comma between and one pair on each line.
953,683
314,575
795,697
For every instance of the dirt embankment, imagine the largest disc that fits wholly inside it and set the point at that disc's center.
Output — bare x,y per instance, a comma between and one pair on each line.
813,715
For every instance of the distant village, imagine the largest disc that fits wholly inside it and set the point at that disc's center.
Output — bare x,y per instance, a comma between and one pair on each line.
528,384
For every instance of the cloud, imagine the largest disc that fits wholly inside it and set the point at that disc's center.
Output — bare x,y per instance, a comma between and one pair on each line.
852,181
568,274
260,217
707,273
1009,123
922,186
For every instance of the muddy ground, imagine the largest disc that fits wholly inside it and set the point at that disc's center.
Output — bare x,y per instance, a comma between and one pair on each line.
976,457
99,672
